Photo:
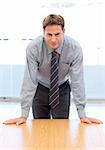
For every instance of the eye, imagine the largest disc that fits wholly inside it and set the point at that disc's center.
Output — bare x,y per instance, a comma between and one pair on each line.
50,35
57,34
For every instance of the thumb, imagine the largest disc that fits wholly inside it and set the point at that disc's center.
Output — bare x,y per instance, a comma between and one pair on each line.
19,122
85,120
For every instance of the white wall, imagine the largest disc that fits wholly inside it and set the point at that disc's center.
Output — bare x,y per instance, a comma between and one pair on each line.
21,20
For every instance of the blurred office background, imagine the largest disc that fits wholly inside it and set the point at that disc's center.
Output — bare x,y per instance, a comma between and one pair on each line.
21,21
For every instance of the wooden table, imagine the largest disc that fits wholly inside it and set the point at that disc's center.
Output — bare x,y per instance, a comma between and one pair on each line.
52,135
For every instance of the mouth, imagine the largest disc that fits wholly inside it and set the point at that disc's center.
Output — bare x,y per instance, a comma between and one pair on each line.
54,44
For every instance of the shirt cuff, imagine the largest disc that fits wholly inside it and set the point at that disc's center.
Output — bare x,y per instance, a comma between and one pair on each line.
25,113
81,113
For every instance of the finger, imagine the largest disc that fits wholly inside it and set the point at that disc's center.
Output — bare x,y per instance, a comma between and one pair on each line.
92,120
100,122
97,121
12,121
88,122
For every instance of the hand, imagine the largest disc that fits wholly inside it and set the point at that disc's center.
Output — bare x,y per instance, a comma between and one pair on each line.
89,120
16,121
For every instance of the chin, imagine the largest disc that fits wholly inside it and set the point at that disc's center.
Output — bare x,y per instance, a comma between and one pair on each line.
54,47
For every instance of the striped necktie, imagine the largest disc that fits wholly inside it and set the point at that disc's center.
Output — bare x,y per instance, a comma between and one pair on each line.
54,85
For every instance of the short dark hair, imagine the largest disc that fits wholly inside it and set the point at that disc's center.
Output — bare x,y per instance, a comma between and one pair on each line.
53,19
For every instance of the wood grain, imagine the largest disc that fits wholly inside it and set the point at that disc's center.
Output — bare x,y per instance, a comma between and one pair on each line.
45,134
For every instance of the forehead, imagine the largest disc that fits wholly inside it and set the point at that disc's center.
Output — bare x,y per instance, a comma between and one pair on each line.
53,29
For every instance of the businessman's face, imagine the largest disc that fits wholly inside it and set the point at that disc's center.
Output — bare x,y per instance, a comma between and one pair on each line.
53,35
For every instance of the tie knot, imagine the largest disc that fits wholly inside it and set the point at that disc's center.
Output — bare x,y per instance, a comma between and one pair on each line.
54,54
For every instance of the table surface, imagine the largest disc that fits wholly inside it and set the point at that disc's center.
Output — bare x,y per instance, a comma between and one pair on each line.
45,134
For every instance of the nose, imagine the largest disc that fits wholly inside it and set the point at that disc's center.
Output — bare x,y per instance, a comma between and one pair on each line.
53,38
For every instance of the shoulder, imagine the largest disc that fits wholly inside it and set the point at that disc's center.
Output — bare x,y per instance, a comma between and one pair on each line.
70,42
36,42
72,45
35,45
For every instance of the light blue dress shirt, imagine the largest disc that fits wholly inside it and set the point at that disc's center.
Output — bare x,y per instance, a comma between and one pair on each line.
38,56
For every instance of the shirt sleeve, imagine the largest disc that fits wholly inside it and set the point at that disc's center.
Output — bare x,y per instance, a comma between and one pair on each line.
29,83
77,81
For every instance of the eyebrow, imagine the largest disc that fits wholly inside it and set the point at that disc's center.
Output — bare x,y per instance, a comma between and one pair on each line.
55,34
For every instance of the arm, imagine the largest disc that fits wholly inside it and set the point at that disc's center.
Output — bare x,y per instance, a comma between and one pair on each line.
28,87
77,86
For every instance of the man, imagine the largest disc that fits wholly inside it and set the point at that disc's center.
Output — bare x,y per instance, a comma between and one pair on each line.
38,74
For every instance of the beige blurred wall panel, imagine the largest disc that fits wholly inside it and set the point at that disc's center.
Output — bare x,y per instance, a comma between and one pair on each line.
52,135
